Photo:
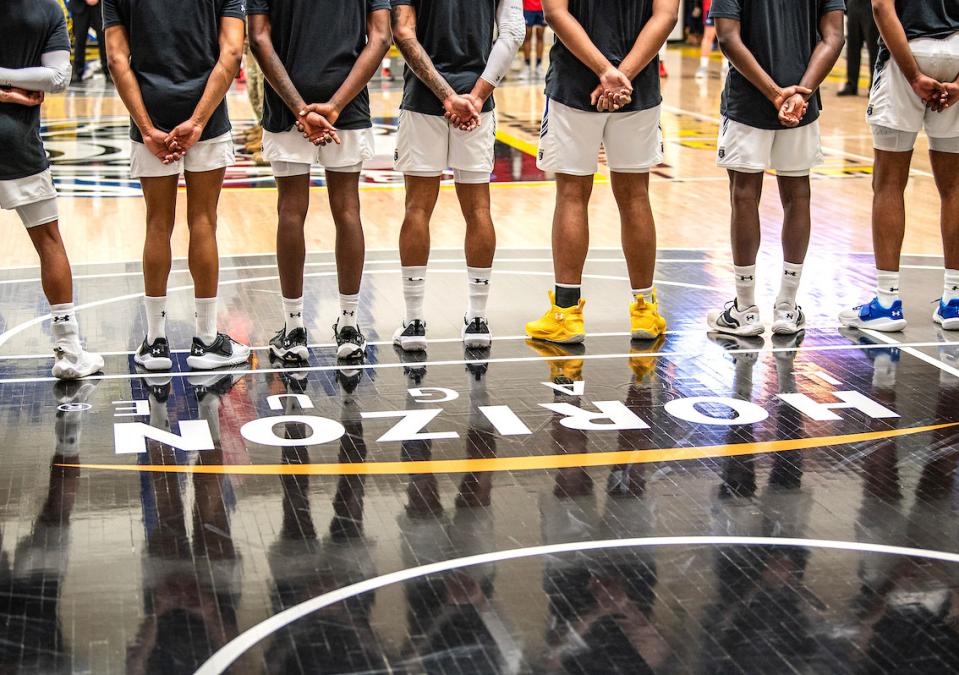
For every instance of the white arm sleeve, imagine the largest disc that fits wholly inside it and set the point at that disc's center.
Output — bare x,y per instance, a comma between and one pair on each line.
512,32
53,76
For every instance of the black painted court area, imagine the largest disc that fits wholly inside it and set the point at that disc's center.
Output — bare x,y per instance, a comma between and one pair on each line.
148,523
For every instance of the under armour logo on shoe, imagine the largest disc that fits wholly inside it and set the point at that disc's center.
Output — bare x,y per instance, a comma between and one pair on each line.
156,351
750,318
62,318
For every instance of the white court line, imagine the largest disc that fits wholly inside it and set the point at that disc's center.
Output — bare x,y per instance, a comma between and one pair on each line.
19,328
461,362
235,648
910,349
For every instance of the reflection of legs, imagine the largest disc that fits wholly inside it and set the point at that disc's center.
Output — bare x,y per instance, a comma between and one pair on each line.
203,194
945,167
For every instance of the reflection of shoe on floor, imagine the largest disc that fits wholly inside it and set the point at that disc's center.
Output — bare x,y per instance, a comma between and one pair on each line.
785,360
349,379
217,384
73,392
477,369
415,373
159,386
560,325
735,343
562,370
73,362
640,363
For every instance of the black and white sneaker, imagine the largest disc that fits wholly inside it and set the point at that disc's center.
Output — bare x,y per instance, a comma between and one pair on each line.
154,357
224,351
411,337
476,333
350,342
290,346
735,321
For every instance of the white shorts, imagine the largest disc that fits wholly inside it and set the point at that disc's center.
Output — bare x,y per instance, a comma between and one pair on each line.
569,140
33,198
427,145
894,105
293,155
216,153
789,152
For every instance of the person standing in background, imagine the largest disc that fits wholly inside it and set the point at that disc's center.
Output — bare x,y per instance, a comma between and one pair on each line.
87,14
860,28
535,28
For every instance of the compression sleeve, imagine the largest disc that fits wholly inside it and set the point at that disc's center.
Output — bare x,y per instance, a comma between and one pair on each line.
52,76
512,32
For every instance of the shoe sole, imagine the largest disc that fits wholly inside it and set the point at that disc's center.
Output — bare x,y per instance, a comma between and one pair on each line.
154,365
477,341
351,351
645,335
883,326
415,344
947,324
71,373
200,362
742,331
788,328
297,354
574,340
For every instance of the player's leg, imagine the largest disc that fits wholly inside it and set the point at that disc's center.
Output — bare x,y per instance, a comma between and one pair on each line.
160,195
293,203
945,167
211,349
527,71
344,192
422,154
41,220
539,32
706,50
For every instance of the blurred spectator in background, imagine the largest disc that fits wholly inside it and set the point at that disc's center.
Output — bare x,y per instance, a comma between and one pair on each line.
860,28
86,14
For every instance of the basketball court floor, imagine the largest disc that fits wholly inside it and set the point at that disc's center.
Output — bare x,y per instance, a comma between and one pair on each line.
696,504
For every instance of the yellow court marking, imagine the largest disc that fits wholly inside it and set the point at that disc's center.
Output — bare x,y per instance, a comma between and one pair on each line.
521,463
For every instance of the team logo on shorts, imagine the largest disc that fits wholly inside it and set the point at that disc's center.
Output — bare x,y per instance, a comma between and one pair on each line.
869,111
722,153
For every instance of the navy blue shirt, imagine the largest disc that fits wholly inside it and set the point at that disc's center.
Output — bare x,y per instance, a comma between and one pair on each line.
925,19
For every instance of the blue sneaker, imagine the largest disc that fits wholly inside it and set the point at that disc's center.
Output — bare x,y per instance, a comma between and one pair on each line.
874,316
947,315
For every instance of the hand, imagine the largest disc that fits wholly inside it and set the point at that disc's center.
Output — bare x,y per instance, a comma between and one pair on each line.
610,101
462,112
157,143
788,92
948,96
469,123
793,110
327,110
926,88
18,96
316,128
184,136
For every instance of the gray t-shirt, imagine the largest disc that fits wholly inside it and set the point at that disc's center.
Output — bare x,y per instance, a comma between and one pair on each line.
782,35
458,37
30,28
318,43
174,45
924,19
613,26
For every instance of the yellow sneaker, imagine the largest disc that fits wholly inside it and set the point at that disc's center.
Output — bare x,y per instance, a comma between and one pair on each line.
560,325
645,322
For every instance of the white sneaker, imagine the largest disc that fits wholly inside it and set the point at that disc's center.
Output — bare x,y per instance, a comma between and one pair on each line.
525,74
702,73
411,337
788,319
735,321
476,334
223,352
538,73
72,365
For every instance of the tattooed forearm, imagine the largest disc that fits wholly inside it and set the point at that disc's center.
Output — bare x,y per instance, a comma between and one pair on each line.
419,62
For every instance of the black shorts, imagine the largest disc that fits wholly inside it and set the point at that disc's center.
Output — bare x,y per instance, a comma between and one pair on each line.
534,19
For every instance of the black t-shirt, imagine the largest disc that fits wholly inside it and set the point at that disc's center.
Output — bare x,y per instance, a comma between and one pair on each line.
782,35
318,43
925,18
29,29
458,37
174,45
613,26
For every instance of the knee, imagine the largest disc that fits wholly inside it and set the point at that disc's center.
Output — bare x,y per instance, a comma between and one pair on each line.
797,194
744,195
292,216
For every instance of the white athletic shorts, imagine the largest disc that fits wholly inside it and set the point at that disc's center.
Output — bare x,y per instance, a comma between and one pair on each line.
293,155
33,198
216,153
570,139
427,145
789,152
894,106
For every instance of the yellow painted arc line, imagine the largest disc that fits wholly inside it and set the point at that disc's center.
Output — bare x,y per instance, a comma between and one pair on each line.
520,463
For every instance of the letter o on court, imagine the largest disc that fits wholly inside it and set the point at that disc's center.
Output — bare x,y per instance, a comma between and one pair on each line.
687,409
263,431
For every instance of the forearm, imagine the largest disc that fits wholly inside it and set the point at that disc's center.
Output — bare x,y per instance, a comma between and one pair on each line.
217,86
746,64
422,66
129,90
275,73
377,45
652,38
894,37
512,32
824,57
53,76
574,36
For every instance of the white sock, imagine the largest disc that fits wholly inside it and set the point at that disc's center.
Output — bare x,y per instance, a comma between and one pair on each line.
349,308
478,279
645,293
293,312
156,317
206,319
792,275
704,62
414,290
745,285
66,330
950,289
887,287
